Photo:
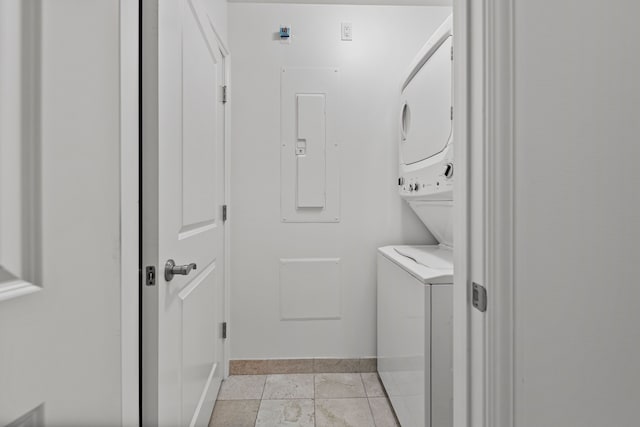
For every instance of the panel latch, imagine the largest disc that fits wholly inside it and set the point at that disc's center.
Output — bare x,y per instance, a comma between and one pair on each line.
150,276
479,297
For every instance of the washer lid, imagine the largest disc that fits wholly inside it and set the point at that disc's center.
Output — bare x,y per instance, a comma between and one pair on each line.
426,121
429,264
434,257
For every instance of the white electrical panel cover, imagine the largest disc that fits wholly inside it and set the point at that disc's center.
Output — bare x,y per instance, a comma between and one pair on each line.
309,163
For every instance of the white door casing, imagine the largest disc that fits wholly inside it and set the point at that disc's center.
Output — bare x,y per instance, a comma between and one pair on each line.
483,363
485,217
498,178
469,213
183,194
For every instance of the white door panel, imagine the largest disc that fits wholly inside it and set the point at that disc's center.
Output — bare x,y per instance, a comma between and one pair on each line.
183,194
200,82
60,247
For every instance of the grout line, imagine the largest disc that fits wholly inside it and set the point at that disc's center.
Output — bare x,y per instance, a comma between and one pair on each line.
257,412
314,386
373,417
266,377
264,387
364,386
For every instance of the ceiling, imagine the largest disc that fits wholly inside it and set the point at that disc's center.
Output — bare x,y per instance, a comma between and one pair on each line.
359,2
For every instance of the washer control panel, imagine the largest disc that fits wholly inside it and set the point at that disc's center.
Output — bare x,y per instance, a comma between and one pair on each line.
434,180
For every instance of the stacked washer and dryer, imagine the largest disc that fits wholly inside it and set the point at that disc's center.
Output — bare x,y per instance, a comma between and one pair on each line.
415,291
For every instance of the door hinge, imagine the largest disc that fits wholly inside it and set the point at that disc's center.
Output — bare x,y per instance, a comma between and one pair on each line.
452,53
224,213
451,113
224,94
224,330
150,276
479,297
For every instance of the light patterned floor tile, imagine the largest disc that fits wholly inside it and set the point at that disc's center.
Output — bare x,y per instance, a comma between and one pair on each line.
289,386
333,386
372,385
242,387
343,413
286,413
287,400
235,413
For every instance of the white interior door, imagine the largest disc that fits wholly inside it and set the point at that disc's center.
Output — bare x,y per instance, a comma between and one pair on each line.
183,198
61,214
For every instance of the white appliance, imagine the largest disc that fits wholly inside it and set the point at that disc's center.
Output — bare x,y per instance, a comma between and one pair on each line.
415,282
426,141
415,320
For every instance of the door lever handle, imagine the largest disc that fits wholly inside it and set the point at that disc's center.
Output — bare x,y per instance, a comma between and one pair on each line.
171,269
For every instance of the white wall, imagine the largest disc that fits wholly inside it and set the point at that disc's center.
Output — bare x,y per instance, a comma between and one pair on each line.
577,189
385,40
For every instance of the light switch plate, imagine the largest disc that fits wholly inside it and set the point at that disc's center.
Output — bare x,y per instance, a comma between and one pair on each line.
347,31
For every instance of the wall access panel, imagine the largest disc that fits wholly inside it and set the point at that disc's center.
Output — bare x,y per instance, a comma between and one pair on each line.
309,175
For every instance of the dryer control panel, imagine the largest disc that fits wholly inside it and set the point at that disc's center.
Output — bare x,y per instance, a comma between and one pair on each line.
432,182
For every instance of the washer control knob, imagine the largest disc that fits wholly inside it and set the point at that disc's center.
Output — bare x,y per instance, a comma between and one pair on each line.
448,170
410,187
416,186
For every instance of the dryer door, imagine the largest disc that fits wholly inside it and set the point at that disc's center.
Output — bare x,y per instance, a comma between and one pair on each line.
426,108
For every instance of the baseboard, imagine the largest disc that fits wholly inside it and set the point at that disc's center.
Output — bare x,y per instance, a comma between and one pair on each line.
301,366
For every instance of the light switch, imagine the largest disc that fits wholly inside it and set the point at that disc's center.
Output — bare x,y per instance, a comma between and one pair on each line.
347,31
301,147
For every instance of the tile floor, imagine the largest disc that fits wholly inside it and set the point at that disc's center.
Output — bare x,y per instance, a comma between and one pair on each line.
305,400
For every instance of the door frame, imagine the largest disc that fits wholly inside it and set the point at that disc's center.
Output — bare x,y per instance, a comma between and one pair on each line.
226,57
497,138
500,207
461,76
492,22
